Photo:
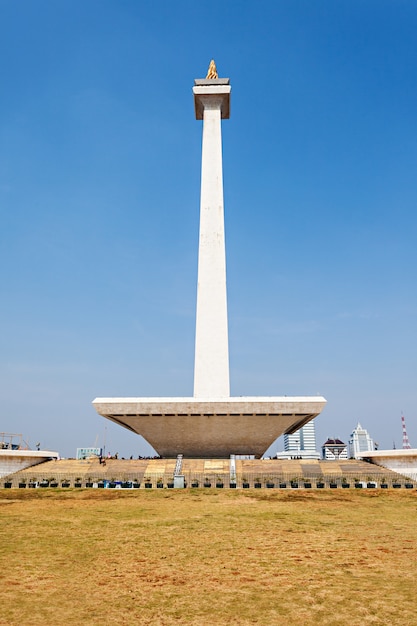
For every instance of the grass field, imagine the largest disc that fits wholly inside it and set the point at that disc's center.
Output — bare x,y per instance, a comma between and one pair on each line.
208,557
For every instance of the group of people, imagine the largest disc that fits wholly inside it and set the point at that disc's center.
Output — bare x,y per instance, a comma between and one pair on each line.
109,456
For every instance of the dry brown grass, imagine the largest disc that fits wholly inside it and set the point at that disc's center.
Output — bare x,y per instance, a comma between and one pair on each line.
207,557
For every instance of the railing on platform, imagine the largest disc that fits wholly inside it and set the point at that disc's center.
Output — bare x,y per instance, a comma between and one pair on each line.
133,480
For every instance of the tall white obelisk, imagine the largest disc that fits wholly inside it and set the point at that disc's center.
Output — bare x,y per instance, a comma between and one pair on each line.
211,423
211,365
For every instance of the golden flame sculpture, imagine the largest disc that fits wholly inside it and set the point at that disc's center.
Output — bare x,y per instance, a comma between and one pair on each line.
212,71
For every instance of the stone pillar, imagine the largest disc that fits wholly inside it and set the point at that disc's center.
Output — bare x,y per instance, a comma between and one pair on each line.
211,366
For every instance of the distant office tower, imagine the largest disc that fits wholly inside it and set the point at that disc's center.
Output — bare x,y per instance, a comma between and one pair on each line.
360,441
301,444
303,439
333,450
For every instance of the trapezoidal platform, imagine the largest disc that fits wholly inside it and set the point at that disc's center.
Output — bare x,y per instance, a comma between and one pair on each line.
211,428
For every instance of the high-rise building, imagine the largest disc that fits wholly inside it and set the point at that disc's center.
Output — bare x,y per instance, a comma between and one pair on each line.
301,444
360,441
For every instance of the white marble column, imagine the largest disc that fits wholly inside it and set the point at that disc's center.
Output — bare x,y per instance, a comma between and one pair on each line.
211,367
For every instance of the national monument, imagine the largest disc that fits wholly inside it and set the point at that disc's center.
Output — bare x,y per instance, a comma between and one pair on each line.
211,423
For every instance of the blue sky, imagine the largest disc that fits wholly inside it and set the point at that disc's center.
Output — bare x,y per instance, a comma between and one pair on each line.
99,200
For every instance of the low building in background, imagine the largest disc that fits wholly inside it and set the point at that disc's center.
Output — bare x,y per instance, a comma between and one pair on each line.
360,441
86,453
333,450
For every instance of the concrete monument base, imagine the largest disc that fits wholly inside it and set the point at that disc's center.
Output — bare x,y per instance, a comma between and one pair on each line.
211,424
210,428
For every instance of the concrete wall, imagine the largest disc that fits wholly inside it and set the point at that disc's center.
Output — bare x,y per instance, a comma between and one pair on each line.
402,461
14,460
